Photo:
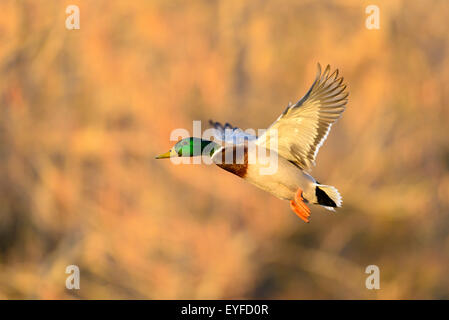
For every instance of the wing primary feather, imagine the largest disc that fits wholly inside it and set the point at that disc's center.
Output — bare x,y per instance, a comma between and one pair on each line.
303,127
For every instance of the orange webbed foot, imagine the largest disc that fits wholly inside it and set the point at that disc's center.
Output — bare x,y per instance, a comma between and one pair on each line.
299,207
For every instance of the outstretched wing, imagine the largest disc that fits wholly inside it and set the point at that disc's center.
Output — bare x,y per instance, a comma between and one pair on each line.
303,127
229,134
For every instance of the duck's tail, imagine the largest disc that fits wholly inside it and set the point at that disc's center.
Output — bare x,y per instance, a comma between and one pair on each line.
328,196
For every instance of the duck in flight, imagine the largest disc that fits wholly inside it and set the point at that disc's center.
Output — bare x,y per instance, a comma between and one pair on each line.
294,138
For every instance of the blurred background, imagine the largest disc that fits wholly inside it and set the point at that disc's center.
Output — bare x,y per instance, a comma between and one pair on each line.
84,112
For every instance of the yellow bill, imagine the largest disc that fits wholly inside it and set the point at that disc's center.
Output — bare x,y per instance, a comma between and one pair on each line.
164,155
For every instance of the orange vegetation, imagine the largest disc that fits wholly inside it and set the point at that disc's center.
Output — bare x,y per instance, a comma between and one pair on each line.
84,112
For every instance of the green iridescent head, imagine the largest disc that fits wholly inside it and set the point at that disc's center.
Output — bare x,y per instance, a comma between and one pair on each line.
190,147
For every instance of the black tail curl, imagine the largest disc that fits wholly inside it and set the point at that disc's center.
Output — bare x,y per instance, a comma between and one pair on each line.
323,199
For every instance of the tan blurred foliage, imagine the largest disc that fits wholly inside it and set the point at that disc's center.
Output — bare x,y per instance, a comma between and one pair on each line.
84,112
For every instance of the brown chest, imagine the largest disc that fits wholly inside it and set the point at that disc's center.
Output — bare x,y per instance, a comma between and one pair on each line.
234,160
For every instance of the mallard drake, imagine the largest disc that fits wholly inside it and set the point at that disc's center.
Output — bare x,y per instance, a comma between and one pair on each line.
294,139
